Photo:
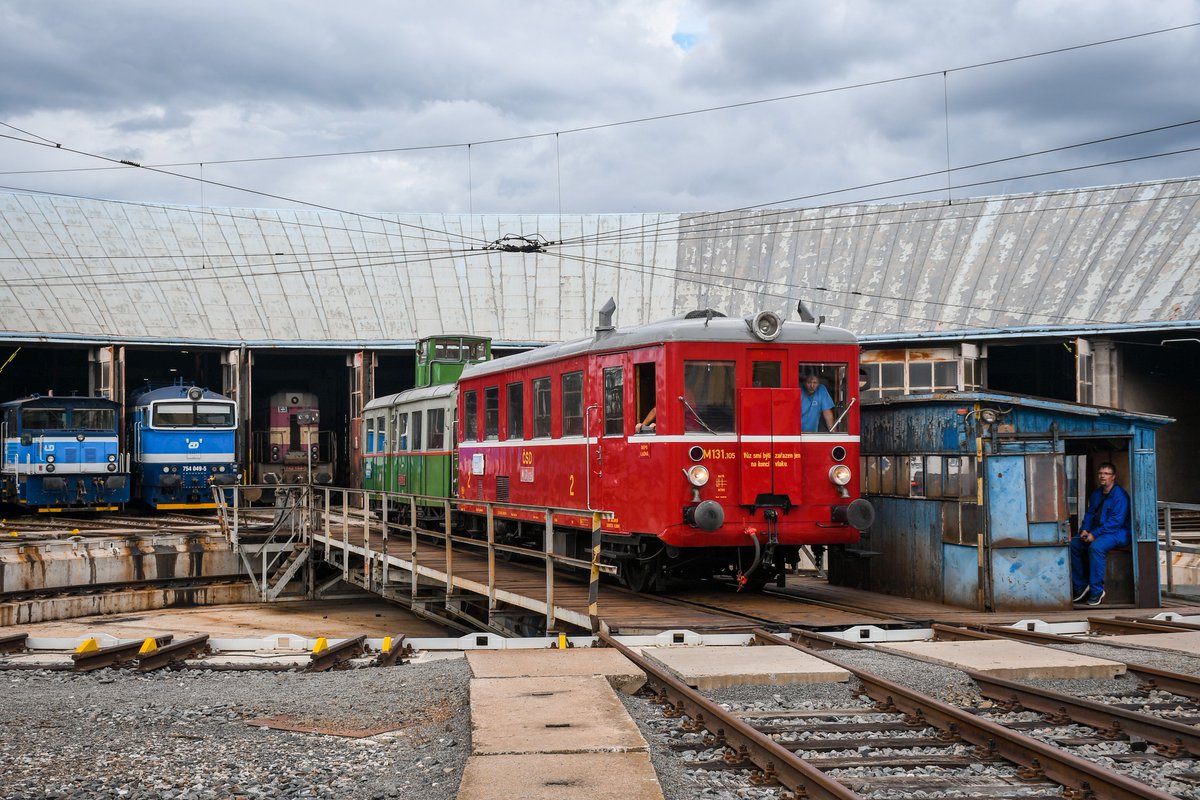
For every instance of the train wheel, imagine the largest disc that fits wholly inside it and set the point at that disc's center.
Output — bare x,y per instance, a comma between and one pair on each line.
641,575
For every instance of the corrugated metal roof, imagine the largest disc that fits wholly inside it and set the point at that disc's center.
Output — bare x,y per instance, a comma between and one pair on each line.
90,270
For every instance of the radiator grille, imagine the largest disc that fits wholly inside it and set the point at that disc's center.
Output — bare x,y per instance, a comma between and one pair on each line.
501,488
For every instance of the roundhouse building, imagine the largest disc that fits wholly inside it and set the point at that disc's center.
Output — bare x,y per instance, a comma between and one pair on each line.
1087,296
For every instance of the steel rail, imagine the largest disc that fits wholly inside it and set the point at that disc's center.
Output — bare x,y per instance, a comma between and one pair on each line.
1121,627
1173,738
14,643
337,654
1038,758
775,762
1175,625
173,655
117,655
399,651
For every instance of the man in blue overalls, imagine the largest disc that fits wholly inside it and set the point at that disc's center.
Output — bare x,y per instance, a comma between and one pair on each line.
1104,526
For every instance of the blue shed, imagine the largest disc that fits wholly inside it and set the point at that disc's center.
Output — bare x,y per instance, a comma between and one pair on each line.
977,495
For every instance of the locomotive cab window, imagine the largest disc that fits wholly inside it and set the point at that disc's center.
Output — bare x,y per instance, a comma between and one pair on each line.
369,444
541,408
44,419
95,419
824,398
214,415
572,404
380,434
491,412
470,417
172,415
614,401
708,388
516,411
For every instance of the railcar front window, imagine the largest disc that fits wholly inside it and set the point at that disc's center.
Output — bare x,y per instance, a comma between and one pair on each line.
541,408
491,412
95,419
214,415
416,430
44,419
572,401
708,388
824,398
402,431
369,446
614,401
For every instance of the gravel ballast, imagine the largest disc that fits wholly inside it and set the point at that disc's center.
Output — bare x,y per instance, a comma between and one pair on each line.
184,735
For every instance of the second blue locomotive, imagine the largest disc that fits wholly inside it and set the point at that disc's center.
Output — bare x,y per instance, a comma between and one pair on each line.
183,442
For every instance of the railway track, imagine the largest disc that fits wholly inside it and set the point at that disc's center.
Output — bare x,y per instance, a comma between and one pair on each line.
884,739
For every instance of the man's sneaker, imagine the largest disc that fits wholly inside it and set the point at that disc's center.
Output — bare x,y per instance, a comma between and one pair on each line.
1095,601
1079,598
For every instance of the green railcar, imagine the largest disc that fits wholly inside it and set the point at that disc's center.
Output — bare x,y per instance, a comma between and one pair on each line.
408,442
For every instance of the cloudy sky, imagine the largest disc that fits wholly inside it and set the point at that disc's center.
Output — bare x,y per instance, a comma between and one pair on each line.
620,106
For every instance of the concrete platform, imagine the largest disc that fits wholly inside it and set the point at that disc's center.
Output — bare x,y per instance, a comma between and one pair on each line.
1183,642
565,714
577,776
620,671
716,667
1008,659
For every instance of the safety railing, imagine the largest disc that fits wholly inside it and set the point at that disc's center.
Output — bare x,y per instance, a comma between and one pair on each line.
1179,533
273,541
407,519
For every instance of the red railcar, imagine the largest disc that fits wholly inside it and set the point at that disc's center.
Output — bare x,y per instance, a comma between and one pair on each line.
689,430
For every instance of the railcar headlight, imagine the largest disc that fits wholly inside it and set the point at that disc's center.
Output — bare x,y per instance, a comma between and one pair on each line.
697,475
50,459
166,470
839,474
221,468
50,468
112,467
112,457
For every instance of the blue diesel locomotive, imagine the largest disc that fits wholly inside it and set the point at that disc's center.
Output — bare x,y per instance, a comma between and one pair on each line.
63,453
183,443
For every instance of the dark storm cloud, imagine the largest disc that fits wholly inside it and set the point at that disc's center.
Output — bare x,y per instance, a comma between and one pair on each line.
186,82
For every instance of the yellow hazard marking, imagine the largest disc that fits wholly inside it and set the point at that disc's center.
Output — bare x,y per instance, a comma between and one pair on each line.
148,646
562,641
87,646
387,644
321,646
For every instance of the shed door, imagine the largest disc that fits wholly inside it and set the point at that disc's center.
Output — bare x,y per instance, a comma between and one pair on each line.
770,444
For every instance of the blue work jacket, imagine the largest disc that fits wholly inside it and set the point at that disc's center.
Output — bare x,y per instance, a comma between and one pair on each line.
1113,517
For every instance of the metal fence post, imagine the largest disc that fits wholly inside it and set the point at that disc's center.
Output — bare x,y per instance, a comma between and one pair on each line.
594,578
548,546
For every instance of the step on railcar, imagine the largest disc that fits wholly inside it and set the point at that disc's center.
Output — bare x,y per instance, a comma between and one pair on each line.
63,453
183,442
690,430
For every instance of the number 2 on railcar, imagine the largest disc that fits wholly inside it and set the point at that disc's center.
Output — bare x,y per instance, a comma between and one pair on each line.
721,445
63,453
